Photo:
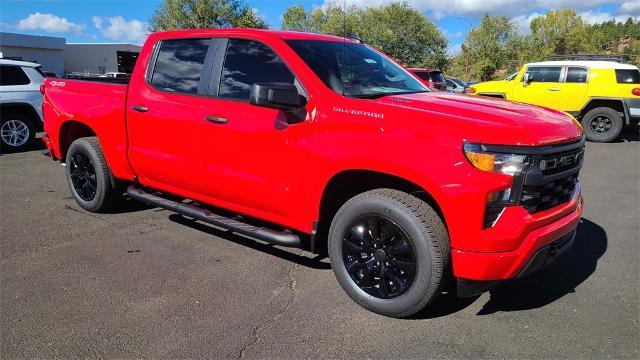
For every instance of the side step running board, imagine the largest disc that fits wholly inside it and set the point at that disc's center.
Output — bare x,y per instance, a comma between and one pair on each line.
261,233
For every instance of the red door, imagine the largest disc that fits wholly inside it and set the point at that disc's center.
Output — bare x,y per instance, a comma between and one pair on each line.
261,164
166,118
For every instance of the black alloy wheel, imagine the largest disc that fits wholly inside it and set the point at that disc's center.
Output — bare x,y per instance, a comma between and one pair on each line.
601,124
83,176
379,257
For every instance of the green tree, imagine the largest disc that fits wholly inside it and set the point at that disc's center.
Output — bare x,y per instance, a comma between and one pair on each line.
199,14
560,32
397,29
489,47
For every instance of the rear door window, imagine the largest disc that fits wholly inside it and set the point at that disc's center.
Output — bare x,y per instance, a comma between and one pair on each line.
577,75
179,65
249,62
628,76
11,75
544,73
422,75
437,76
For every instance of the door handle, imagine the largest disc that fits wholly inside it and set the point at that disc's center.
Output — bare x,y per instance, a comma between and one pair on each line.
554,89
216,119
140,108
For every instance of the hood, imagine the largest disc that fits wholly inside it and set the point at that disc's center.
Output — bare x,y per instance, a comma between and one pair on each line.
492,121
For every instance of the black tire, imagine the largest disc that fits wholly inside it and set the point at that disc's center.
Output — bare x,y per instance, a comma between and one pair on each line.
86,171
422,229
15,120
602,124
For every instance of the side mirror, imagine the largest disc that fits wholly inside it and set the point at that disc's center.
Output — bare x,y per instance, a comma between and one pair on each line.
526,79
281,96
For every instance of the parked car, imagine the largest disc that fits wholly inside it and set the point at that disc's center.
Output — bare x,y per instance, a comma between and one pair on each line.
603,95
115,75
50,74
20,103
405,188
457,86
432,78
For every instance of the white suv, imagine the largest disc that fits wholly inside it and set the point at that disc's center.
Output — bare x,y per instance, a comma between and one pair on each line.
20,103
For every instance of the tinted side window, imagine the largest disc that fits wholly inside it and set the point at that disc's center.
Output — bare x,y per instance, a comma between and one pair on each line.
577,75
544,74
422,75
248,62
179,65
13,75
437,76
629,76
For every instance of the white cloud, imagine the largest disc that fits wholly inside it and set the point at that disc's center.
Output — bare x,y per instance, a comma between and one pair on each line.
97,21
476,8
631,7
595,17
49,23
117,28
524,21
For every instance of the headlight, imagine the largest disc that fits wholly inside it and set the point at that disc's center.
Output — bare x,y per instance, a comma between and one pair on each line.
510,164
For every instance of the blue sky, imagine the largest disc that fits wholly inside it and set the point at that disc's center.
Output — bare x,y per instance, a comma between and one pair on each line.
125,20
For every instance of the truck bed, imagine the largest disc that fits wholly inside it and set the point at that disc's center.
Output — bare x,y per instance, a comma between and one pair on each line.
108,80
99,103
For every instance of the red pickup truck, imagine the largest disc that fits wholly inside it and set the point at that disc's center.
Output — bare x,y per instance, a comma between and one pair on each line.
326,144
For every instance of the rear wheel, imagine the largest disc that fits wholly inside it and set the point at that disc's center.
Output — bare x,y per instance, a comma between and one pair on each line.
17,132
89,177
389,251
602,124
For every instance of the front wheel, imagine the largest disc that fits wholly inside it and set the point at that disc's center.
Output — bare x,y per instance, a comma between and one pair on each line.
89,177
389,251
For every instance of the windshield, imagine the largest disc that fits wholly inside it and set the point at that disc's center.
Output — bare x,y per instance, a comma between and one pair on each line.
355,70
459,82
512,76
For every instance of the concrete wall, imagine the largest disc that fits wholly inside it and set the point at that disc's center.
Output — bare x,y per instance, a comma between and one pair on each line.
94,58
45,50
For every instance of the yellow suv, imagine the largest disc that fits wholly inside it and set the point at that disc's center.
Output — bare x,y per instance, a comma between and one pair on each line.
603,95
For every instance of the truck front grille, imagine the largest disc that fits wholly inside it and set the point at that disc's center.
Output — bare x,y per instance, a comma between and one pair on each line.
536,198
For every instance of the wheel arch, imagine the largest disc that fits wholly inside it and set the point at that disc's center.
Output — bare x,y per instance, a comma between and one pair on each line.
613,103
25,108
70,131
346,184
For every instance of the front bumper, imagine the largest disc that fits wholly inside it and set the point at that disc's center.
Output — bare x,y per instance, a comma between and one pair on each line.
499,266
542,258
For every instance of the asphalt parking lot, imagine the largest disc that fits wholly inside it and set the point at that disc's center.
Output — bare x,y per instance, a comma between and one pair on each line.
147,283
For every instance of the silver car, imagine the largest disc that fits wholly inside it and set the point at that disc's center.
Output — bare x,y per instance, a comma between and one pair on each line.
457,86
20,103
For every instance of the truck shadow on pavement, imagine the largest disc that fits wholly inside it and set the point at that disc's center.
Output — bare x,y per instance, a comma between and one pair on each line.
314,263
629,134
541,288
